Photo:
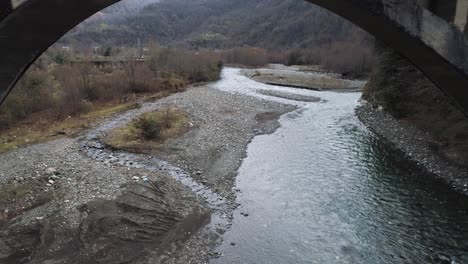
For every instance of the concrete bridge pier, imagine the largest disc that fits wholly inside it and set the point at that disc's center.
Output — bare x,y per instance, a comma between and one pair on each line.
461,16
5,8
453,11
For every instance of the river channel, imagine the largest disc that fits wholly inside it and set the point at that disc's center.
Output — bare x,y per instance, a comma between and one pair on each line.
323,189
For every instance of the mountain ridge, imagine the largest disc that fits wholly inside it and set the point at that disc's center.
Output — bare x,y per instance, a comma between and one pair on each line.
213,24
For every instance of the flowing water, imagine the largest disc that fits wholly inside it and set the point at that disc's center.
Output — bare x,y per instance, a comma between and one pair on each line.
323,189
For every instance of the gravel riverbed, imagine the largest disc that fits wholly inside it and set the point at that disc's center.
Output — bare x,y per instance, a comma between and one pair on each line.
414,144
301,77
90,209
223,125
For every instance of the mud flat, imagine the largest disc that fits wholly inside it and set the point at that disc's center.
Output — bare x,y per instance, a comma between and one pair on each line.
77,201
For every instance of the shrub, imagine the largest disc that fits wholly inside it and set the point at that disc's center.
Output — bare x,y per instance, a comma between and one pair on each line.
148,127
295,57
167,117
33,93
60,57
72,95
248,56
70,87
354,56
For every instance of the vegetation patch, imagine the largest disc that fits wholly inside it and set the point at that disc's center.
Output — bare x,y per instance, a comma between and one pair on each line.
65,92
38,128
149,131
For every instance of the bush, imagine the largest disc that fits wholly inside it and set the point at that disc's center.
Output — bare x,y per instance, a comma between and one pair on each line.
33,93
72,94
167,117
70,87
248,56
350,56
295,57
148,127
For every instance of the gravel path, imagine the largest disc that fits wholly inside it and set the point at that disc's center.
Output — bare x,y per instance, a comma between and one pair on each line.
414,144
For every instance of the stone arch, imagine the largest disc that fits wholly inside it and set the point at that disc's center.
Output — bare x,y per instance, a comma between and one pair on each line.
437,47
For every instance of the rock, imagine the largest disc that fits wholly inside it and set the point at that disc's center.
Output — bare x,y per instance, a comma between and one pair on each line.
135,178
444,258
51,171
220,231
216,254
51,182
233,244
198,172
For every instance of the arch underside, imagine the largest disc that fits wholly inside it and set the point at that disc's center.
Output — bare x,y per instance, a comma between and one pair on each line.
435,46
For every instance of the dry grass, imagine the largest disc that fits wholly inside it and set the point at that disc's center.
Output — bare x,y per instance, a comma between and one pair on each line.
173,123
302,79
38,128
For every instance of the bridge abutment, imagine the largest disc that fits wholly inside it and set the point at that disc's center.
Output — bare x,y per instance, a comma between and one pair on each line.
453,11
461,16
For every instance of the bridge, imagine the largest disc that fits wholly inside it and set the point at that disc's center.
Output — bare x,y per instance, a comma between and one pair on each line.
432,34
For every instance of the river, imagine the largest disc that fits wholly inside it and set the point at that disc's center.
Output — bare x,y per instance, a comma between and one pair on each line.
323,189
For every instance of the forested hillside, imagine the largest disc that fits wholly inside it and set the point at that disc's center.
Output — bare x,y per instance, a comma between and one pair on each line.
214,24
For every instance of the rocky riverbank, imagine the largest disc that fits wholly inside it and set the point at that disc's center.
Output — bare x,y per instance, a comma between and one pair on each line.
75,199
415,144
